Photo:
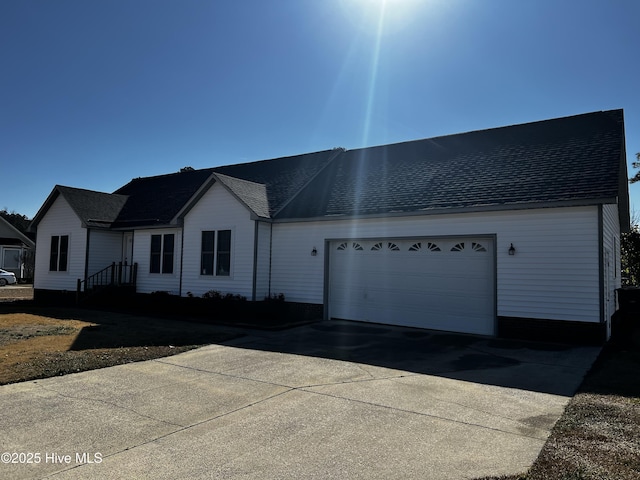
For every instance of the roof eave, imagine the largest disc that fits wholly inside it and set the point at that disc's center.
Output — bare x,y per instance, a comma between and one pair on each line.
458,210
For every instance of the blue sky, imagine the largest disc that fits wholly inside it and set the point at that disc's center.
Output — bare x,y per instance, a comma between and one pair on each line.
96,92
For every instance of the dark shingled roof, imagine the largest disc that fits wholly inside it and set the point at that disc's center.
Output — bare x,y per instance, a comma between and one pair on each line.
283,177
157,200
567,159
571,160
253,195
95,209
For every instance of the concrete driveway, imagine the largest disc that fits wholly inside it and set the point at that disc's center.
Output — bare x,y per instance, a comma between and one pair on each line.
327,400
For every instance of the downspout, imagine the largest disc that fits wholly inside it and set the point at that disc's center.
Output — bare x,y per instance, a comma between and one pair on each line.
270,254
601,263
181,258
86,255
255,260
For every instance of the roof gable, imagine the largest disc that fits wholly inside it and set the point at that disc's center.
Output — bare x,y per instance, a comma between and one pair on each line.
283,177
94,209
252,195
10,235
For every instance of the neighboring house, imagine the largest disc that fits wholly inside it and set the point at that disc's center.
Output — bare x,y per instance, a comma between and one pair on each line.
507,231
15,248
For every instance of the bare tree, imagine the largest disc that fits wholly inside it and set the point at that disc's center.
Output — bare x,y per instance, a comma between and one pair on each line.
636,177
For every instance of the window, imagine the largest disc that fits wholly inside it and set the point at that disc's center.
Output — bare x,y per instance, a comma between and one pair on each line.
59,253
458,247
223,254
161,260
167,253
11,258
206,257
433,247
476,247
216,253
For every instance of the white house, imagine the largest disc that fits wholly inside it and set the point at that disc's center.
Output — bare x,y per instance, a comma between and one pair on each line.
511,231
15,247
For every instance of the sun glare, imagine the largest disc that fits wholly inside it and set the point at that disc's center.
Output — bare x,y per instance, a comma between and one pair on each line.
382,17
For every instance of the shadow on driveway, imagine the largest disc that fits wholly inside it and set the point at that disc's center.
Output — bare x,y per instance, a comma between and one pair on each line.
542,367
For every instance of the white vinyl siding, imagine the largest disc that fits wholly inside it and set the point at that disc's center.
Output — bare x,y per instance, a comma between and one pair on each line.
611,239
105,247
59,221
219,210
611,254
263,266
553,274
148,282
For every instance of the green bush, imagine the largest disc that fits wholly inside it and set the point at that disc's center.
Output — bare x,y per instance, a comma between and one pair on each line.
630,257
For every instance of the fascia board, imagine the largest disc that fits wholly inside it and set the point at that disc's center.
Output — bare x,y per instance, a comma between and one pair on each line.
445,211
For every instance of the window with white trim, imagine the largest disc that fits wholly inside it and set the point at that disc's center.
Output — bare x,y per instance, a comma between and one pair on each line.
215,258
59,253
162,252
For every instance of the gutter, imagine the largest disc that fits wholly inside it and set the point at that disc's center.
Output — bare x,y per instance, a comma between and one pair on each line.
455,210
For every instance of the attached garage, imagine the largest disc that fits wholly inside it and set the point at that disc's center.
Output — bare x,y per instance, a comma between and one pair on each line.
443,283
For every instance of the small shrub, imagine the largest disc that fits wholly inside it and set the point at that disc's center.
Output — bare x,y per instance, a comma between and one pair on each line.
274,297
161,294
226,297
212,295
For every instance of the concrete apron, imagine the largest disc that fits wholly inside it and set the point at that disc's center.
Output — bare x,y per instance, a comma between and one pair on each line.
329,400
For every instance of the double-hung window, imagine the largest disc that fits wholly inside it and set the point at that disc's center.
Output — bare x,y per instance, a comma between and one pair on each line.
59,253
162,247
215,256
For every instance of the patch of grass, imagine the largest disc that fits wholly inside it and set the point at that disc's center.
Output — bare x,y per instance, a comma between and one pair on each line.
38,342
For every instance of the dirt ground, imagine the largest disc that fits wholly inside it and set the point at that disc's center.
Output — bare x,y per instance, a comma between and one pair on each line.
38,342
16,292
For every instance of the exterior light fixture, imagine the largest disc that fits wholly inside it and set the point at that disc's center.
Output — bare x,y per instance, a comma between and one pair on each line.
314,252
512,250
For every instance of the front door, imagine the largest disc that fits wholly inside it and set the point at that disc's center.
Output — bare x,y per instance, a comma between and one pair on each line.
127,257
127,248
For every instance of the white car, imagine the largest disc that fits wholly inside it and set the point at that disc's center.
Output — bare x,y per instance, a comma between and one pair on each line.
7,278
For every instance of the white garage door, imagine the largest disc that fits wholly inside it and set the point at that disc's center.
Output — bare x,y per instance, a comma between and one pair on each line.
439,283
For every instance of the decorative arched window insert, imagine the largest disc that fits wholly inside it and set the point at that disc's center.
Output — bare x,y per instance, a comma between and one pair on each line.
476,247
458,247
